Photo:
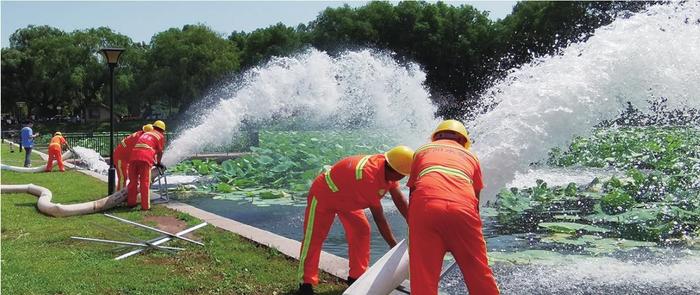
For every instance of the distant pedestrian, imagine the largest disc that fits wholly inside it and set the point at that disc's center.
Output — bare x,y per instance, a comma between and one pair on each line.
27,139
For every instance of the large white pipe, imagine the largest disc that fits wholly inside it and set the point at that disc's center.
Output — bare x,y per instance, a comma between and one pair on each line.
384,275
59,210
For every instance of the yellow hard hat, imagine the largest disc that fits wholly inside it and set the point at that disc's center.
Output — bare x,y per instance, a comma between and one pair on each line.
454,126
400,158
58,133
159,124
147,128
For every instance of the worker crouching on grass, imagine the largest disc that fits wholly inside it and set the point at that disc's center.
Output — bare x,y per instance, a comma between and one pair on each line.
147,151
346,189
122,154
445,183
56,146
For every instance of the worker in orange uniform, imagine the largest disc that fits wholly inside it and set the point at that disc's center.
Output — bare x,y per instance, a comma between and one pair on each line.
55,149
346,189
445,183
122,153
147,151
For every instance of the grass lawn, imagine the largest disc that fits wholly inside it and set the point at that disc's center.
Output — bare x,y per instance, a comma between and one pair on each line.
17,158
38,256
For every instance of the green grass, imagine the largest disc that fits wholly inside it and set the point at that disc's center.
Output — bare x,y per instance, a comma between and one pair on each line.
17,158
38,256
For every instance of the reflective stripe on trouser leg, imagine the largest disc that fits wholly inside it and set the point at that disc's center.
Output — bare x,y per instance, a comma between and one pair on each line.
133,186
59,159
145,185
357,233
308,233
317,222
49,164
120,175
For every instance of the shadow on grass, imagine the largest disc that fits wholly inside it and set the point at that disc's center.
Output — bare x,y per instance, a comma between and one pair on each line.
327,292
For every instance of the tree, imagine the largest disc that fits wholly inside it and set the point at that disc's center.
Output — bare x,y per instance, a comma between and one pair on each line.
183,63
277,40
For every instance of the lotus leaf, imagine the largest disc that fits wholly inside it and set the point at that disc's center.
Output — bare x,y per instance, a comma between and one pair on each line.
571,228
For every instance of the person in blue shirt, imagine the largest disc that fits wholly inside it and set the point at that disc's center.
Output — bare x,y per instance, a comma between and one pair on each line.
27,140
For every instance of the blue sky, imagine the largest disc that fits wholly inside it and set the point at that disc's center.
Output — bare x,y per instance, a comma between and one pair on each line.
141,20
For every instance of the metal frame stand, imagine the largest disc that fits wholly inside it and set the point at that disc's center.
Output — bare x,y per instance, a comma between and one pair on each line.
162,180
150,244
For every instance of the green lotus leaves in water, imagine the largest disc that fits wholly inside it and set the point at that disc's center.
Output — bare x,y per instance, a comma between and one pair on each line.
566,217
657,200
616,202
571,228
285,163
532,257
224,188
566,239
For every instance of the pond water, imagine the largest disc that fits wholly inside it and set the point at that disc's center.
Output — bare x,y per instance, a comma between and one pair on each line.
635,272
288,220
635,61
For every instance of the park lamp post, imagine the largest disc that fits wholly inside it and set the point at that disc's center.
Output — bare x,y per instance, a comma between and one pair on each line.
112,55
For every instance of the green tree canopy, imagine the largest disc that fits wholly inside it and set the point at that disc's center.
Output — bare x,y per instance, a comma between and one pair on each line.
182,63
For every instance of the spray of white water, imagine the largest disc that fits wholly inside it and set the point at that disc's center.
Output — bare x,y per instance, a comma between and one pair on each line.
92,159
334,92
561,176
541,105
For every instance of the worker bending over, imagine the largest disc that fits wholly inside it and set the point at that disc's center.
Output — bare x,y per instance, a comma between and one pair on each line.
147,151
122,154
56,146
445,183
346,189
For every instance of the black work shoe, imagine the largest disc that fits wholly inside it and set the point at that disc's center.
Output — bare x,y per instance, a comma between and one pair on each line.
350,281
305,289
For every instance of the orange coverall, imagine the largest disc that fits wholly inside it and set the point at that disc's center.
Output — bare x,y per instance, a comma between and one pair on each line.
148,146
55,153
351,185
121,157
443,216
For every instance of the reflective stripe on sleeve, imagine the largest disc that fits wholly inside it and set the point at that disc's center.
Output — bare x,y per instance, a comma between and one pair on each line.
447,171
360,167
329,181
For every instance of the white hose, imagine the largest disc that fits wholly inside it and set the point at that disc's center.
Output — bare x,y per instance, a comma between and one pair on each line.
59,210
37,169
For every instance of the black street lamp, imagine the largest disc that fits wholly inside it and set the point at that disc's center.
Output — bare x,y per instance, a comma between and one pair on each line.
112,55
